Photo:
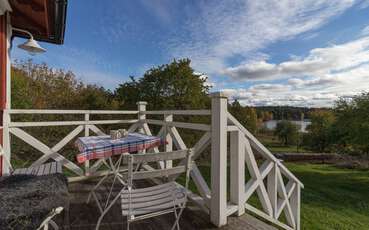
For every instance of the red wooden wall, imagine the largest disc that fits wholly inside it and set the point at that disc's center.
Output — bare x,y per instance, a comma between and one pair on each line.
3,69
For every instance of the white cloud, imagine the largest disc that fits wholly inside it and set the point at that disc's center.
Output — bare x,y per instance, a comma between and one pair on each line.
319,62
220,30
365,31
313,91
269,87
325,81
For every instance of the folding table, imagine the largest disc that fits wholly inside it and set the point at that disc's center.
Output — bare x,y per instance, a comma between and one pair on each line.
103,147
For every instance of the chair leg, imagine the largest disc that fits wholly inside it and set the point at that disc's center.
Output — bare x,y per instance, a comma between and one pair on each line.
178,216
66,218
107,209
95,187
54,225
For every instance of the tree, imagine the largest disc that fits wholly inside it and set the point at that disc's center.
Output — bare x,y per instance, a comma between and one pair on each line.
38,86
352,123
245,115
320,130
169,86
287,132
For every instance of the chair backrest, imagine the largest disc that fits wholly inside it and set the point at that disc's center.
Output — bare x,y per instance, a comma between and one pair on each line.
184,166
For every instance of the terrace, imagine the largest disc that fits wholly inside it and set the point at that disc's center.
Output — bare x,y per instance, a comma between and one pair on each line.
243,173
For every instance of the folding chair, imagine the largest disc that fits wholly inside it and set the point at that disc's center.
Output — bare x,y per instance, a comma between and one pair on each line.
169,197
43,169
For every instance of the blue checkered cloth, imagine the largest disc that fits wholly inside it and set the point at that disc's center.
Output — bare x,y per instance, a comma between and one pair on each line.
98,147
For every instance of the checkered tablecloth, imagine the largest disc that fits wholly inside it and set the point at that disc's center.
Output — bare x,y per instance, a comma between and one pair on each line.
97,147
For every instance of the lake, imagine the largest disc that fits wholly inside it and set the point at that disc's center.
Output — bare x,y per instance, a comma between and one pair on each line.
302,124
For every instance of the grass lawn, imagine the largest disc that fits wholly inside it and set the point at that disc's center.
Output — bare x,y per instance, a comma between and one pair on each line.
275,146
333,198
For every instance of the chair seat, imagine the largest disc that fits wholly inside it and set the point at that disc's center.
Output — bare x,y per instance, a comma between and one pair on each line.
153,199
44,169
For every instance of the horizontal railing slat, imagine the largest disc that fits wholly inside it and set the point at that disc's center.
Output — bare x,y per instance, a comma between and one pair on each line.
179,112
52,111
68,123
184,125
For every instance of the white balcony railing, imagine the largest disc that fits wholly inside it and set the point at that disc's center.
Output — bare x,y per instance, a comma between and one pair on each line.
277,189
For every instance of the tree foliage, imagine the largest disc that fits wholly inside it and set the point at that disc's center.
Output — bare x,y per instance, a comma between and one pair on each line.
169,86
37,86
245,115
352,123
319,136
287,132
345,129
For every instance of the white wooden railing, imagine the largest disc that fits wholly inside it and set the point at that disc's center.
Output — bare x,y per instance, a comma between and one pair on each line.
17,129
276,188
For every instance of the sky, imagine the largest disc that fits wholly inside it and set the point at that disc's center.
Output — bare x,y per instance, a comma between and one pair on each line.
267,52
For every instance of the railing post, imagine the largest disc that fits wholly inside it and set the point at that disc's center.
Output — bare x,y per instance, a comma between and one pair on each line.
6,161
87,133
168,139
141,107
218,204
237,168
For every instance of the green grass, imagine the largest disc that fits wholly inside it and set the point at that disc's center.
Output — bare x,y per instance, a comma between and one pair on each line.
275,146
333,198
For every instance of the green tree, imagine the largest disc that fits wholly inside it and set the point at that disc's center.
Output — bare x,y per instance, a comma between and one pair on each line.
319,134
38,86
245,115
351,128
169,86
287,132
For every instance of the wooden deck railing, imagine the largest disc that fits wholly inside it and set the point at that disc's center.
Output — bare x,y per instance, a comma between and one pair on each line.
277,189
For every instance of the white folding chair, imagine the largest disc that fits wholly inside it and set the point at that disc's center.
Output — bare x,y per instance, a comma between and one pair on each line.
169,197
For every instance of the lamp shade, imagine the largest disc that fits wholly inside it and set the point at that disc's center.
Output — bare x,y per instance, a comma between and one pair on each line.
32,47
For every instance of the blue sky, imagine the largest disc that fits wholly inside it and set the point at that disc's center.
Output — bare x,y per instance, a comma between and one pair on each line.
271,52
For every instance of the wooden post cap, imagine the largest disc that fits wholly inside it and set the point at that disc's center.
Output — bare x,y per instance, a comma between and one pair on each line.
218,95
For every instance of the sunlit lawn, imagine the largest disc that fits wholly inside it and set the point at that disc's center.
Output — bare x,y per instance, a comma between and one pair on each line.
333,199
275,146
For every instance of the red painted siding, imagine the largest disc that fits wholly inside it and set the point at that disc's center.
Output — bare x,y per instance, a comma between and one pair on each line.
3,60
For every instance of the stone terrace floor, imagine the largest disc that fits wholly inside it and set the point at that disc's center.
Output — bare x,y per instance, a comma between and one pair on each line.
84,216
